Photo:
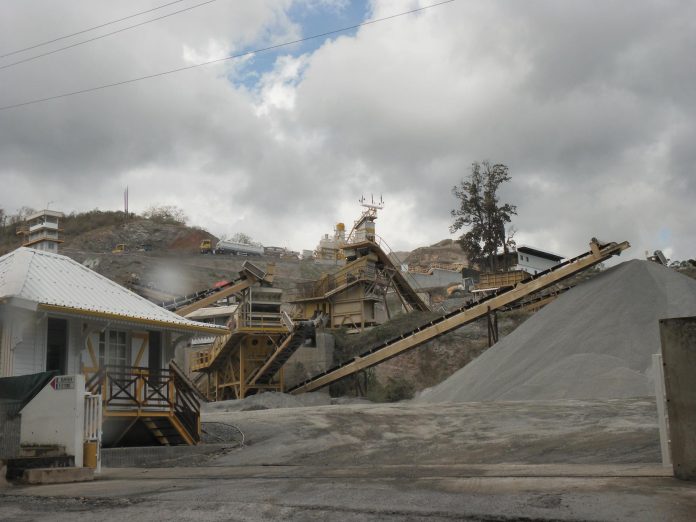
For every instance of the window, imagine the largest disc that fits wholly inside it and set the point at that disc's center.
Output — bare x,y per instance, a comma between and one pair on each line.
113,348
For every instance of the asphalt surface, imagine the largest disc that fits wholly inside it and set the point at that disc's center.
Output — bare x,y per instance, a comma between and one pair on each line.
248,493
549,460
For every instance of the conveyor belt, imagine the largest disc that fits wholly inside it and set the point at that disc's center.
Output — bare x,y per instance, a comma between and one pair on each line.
249,274
467,314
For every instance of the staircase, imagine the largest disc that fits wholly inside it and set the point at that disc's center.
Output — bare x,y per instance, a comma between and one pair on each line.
279,357
164,430
45,464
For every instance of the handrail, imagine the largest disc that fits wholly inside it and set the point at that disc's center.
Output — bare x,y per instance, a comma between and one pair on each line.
409,278
186,403
137,388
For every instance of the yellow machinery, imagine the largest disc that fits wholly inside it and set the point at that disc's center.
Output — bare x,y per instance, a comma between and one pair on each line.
262,338
119,249
351,297
206,246
502,298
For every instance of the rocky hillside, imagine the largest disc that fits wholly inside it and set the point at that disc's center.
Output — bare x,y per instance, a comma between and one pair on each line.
100,231
445,251
139,234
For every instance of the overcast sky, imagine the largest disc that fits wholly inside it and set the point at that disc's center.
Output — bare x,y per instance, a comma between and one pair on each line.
592,105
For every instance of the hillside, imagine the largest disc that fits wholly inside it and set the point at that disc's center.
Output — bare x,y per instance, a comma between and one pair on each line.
445,251
138,234
101,231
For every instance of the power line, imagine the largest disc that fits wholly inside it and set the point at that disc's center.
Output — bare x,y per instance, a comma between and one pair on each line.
232,57
88,29
31,58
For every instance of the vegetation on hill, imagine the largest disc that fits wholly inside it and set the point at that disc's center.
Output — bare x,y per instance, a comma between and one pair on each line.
158,228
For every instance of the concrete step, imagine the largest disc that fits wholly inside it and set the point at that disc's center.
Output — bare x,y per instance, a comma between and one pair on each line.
57,475
17,466
42,451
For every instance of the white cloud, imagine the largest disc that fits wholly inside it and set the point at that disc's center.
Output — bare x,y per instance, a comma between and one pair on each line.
593,112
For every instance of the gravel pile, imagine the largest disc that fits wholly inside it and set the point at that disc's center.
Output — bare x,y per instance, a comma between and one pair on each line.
594,342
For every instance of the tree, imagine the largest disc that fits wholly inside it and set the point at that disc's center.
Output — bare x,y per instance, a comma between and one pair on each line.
167,214
242,238
481,211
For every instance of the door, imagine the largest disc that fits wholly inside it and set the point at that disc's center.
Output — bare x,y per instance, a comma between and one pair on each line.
57,345
154,354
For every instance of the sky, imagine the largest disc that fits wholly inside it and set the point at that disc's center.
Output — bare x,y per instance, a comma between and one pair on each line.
591,105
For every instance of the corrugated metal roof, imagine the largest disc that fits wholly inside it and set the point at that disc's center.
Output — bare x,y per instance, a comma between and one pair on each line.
55,280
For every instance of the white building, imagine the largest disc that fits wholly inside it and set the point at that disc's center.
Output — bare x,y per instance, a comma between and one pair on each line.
533,260
42,230
56,314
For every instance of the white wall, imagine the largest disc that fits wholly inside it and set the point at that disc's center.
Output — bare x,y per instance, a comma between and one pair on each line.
56,416
29,352
533,264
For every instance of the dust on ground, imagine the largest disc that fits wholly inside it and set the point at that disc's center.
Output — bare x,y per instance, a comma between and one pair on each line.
541,432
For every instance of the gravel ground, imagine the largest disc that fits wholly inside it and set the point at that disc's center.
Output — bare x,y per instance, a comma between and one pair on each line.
507,461
542,432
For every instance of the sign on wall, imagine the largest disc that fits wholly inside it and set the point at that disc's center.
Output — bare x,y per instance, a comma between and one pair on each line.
63,382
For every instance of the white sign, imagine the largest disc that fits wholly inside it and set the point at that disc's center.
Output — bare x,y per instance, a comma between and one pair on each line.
63,382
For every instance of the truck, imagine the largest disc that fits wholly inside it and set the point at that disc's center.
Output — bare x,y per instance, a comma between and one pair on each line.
206,246
238,249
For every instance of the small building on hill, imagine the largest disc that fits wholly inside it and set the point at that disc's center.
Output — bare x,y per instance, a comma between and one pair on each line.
57,315
42,230
527,259
534,260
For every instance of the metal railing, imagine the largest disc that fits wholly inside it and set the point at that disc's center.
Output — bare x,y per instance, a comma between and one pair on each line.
93,418
387,250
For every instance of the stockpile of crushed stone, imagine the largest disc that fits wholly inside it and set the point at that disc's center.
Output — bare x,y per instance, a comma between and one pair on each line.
594,342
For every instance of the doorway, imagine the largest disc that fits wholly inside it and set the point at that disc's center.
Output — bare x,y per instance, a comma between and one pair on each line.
154,354
57,345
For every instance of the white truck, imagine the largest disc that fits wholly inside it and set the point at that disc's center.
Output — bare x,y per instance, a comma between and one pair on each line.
238,249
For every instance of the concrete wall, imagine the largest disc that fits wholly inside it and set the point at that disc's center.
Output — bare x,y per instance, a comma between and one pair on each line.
678,338
308,361
56,416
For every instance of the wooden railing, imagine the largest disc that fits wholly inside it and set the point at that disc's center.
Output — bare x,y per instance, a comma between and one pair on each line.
128,389
186,406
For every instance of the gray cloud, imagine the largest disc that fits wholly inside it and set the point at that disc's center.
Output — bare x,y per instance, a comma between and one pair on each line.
592,107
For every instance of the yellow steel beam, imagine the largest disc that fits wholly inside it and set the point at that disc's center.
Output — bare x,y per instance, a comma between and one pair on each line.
215,297
439,327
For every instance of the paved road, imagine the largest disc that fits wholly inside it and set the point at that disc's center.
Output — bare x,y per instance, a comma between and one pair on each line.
297,493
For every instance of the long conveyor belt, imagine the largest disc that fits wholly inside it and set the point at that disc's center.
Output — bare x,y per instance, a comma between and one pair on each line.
598,252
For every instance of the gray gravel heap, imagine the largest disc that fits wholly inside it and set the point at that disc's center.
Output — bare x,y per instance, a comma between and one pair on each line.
594,342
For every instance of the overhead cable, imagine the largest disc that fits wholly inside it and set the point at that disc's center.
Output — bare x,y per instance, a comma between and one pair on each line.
83,31
218,60
60,49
